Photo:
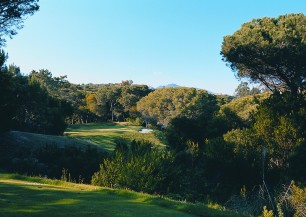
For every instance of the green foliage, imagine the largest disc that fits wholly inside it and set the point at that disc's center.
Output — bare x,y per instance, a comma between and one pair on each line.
204,122
49,156
270,51
211,153
118,102
8,104
243,90
38,112
220,169
280,211
244,107
297,162
278,126
130,95
107,98
55,86
13,13
182,130
280,121
27,105
298,200
91,102
138,166
267,213
224,99
230,119
166,104
247,145
71,95
292,201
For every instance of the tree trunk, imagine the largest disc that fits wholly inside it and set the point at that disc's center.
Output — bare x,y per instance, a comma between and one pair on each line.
112,110
147,124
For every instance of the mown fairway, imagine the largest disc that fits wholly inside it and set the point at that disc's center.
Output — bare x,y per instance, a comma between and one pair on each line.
25,196
104,134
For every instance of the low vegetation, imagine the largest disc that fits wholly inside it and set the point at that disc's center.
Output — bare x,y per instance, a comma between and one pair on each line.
203,148
50,156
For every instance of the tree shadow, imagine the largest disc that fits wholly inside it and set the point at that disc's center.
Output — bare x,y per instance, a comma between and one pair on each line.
32,199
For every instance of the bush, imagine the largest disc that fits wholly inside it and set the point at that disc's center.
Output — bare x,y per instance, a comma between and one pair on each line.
292,201
138,166
50,160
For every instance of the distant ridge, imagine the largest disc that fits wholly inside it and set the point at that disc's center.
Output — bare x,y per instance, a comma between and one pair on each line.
177,86
168,85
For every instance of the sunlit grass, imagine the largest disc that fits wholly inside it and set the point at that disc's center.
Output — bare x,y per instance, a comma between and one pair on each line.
27,196
105,134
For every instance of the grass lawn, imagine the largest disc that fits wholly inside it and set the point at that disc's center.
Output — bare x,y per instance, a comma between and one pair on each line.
26,196
104,134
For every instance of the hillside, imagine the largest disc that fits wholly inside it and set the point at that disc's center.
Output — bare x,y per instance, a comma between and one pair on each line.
94,135
26,196
35,141
37,154
167,86
78,155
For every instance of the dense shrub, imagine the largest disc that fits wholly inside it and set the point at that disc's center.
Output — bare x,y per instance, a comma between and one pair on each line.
50,160
141,167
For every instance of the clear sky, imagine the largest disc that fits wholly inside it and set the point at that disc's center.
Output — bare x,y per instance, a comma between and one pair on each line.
153,42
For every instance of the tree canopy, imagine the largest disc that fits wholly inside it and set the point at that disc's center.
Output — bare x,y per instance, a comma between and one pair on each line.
271,51
12,15
165,104
29,106
8,102
118,101
244,90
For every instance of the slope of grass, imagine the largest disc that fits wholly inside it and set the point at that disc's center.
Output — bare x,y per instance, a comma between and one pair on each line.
27,196
104,134
34,141
29,153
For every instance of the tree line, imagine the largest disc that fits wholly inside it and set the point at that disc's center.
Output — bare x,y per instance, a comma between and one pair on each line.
41,103
214,152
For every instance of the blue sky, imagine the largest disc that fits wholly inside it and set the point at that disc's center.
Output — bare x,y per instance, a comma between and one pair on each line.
154,42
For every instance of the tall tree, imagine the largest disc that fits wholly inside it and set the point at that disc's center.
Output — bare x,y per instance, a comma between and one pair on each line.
37,111
130,95
108,97
57,87
271,51
12,15
7,98
244,90
117,101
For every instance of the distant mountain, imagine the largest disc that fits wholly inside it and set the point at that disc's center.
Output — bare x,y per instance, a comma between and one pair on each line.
168,85
175,86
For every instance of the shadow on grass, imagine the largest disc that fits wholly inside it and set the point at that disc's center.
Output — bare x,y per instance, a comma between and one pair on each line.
30,199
